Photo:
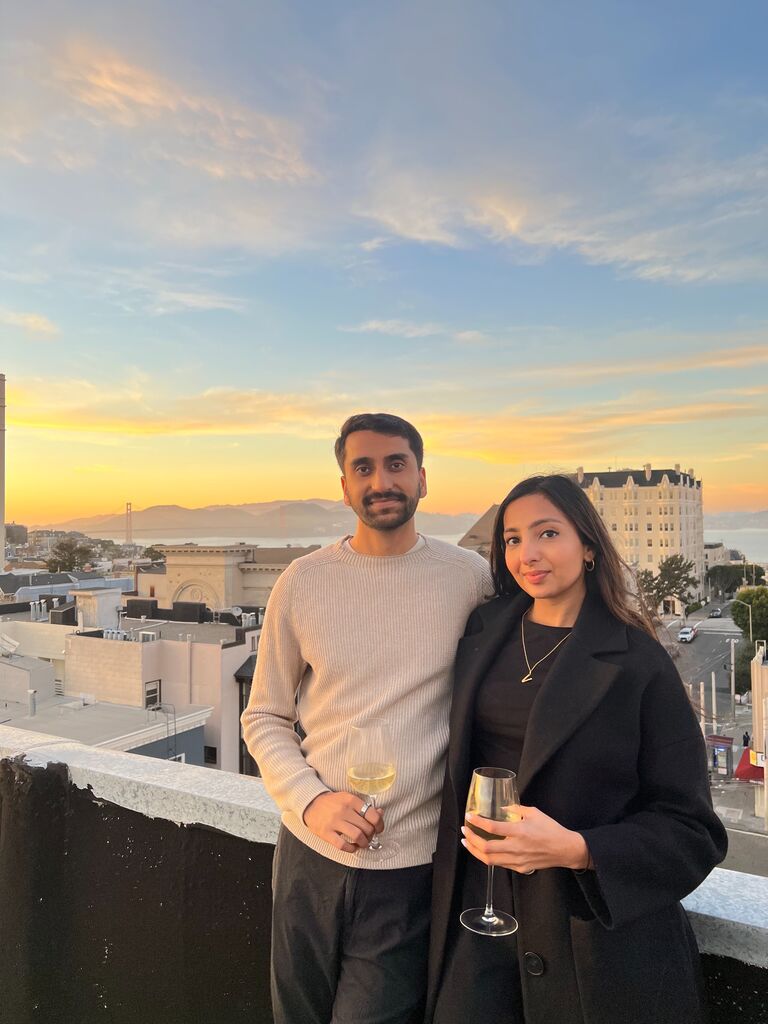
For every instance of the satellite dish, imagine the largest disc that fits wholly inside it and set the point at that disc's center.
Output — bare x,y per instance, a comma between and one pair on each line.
235,610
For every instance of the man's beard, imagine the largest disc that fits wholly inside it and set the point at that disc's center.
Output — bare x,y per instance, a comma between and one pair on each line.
391,519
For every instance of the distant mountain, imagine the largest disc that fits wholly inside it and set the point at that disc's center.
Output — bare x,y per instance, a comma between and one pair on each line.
737,521
319,517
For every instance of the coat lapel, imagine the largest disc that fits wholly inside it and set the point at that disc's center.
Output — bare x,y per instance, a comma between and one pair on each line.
474,657
573,689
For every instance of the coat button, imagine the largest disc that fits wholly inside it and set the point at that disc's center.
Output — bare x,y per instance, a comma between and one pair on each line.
533,964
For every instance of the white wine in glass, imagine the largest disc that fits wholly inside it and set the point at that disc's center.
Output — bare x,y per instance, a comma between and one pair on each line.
492,794
371,771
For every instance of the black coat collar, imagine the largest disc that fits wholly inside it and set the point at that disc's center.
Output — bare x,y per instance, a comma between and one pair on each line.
577,683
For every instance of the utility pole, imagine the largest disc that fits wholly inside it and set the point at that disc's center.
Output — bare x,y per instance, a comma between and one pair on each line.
732,641
714,705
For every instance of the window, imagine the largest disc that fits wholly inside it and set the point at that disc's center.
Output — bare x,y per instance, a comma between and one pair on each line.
649,527
210,755
613,527
151,591
649,542
650,558
152,694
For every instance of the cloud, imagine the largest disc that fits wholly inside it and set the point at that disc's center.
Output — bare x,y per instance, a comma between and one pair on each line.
714,359
396,328
123,150
502,435
219,138
32,323
372,244
471,337
659,199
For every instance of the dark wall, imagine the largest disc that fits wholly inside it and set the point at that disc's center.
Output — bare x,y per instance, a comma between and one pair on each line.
108,916
189,742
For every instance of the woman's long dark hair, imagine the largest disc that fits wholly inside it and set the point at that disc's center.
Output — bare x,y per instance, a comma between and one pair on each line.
610,579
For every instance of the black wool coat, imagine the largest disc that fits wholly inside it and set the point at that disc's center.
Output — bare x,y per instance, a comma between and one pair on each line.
614,751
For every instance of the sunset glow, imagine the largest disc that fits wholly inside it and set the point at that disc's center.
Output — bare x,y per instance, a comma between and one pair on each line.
541,240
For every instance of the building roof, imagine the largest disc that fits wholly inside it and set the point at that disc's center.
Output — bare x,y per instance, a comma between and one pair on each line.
478,536
100,724
620,477
252,554
11,582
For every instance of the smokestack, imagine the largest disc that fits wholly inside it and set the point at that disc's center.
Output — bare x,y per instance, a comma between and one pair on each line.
2,472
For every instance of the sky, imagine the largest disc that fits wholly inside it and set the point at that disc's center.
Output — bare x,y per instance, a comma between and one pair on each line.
538,230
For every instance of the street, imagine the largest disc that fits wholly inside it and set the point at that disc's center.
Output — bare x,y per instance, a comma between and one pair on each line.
709,652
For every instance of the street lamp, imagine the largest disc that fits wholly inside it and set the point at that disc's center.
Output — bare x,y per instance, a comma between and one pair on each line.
749,609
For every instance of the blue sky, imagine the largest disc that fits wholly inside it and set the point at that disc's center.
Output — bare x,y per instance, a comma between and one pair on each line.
537,229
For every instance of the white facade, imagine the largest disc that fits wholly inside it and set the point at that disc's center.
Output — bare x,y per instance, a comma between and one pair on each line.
715,553
651,515
186,672
220,576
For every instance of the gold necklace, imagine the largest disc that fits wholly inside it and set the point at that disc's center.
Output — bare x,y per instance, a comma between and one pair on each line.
529,677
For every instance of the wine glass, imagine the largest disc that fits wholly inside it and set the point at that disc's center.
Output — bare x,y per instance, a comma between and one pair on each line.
371,771
492,794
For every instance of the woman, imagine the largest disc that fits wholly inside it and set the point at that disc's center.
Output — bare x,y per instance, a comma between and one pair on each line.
562,680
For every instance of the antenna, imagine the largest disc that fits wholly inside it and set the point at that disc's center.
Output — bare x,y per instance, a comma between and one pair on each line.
128,523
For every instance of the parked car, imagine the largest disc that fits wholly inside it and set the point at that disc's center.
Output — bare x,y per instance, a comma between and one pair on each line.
716,613
687,635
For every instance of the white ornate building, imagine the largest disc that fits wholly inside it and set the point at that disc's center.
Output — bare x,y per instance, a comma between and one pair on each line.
220,576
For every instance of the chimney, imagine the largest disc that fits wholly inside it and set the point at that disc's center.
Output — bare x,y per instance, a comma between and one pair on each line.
32,695
2,472
647,468
580,474
690,473
677,467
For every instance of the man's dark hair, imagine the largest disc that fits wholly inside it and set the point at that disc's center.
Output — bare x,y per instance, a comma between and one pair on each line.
379,423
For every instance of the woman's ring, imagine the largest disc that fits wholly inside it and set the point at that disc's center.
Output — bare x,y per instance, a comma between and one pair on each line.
365,808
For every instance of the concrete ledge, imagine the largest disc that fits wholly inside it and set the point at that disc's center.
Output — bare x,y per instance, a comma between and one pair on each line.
729,914
729,911
185,794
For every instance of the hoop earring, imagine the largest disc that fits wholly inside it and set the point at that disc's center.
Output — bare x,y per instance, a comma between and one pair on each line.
587,566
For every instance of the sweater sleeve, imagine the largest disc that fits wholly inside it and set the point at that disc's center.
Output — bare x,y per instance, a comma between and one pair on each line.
672,838
268,721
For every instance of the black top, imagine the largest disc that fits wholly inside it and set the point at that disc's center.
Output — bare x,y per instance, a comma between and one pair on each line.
504,703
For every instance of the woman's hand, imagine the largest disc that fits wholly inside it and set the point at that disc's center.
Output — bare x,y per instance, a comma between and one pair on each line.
535,841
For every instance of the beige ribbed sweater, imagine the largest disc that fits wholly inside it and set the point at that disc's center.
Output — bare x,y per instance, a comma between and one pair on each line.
362,636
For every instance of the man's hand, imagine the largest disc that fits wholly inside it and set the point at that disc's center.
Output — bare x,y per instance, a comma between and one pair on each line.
335,818
533,842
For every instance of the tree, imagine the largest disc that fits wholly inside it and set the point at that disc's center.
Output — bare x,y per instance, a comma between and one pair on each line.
674,579
68,554
743,655
757,599
154,553
728,578
15,533
646,585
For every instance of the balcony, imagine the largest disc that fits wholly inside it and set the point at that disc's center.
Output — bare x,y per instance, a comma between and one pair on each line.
137,891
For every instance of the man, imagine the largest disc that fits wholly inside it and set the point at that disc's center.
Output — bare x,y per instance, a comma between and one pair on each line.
364,628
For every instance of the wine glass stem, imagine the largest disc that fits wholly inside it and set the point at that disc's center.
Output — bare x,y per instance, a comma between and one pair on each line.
375,843
489,914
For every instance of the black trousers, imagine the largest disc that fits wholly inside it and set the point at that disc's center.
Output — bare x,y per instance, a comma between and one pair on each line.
349,945
481,981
